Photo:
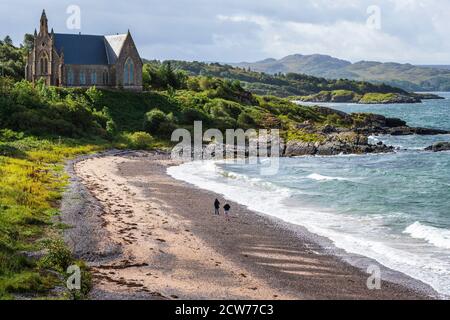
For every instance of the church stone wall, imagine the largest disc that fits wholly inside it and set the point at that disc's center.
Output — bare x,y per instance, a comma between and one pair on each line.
129,51
103,74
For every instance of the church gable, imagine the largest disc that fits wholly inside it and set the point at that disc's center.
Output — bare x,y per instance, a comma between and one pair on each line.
129,65
129,49
114,45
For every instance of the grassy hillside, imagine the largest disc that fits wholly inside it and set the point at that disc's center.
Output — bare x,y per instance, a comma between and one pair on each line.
282,85
405,76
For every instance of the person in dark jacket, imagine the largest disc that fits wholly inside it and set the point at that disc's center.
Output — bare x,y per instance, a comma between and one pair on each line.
226,209
217,207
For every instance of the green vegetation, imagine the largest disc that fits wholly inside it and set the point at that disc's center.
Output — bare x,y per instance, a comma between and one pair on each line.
366,98
333,96
31,183
378,98
282,85
300,135
12,59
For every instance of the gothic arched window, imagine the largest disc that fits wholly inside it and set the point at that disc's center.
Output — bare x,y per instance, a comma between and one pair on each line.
43,63
82,78
94,77
70,77
128,72
105,78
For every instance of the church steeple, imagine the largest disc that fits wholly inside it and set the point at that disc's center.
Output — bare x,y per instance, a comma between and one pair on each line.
44,24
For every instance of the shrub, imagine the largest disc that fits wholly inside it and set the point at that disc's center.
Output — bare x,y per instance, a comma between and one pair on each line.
141,140
153,120
245,120
158,123
111,128
58,258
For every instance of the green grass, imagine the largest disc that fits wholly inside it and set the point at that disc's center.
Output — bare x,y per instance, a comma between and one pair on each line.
299,135
378,97
31,186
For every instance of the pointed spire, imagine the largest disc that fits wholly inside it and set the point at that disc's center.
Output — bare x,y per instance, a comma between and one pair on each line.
44,23
35,33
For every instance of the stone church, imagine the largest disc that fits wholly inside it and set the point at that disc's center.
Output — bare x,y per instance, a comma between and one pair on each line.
76,60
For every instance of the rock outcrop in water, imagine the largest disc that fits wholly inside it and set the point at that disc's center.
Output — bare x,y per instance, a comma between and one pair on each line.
335,144
341,133
351,136
370,124
346,96
439,146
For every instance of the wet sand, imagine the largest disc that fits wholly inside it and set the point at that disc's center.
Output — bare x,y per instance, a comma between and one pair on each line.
148,236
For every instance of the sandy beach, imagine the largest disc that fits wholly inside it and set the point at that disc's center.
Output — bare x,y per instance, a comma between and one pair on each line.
146,235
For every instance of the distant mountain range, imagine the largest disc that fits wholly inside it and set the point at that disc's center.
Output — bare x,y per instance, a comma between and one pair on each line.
406,76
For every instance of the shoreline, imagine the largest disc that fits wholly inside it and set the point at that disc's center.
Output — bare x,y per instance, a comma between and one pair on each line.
260,256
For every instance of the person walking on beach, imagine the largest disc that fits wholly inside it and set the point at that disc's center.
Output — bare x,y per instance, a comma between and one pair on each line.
226,209
217,207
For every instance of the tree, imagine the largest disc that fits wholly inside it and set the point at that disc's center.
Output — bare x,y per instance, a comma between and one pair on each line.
161,76
12,60
8,41
158,123
28,42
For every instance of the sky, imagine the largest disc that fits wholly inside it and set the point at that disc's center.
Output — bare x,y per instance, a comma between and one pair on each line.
406,31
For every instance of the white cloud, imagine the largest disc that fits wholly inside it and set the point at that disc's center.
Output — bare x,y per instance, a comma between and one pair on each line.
413,31
354,40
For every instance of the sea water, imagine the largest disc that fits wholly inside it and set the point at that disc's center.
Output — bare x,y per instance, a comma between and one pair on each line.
394,208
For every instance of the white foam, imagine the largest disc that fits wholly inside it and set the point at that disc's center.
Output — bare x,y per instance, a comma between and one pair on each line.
437,237
319,177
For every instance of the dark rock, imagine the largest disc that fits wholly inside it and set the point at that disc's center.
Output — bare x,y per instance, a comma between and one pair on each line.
329,111
394,122
328,129
300,148
439,146
403,131
331,148
428,96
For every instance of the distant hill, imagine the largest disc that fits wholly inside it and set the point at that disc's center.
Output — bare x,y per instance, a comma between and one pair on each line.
405,76
436,66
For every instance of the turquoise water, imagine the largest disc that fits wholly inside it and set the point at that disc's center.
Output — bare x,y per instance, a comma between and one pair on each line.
394,208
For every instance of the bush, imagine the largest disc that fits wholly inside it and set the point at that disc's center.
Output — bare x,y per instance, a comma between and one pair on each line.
141,140
58,258
153,120
111,128
158,123
245,120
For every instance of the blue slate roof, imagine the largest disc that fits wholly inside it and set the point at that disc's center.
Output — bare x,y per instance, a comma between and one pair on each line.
81,49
